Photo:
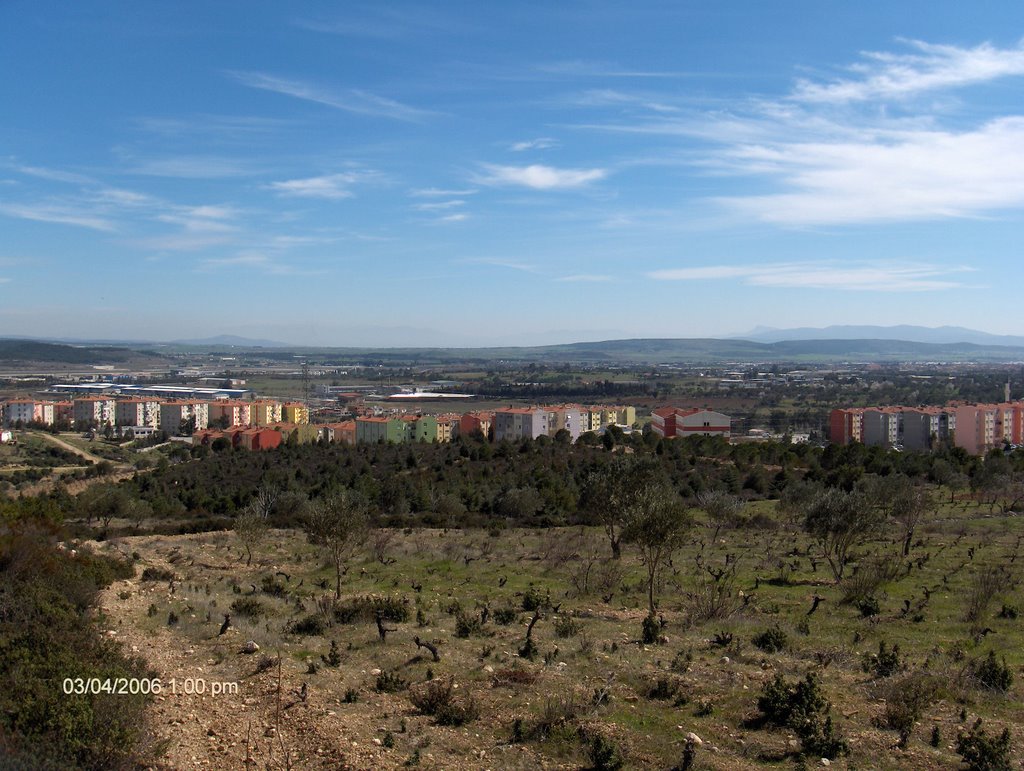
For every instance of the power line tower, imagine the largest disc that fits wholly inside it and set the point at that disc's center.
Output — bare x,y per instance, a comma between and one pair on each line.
307,387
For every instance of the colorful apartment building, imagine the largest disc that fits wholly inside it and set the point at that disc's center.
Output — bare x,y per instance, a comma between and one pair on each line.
476,421
669,422
380,429
846,425
265,412
447,427
227,413
344,432
565,418
295,412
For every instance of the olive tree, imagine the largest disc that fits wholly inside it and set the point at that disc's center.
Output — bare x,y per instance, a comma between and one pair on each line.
615,494
657,526
337,524
838,521
722,508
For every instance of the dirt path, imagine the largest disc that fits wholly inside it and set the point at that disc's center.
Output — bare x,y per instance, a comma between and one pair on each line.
69,447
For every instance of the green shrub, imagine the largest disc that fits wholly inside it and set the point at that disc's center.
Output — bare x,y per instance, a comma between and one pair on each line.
313,624
885,663
248,606
604,755
566,626
802,707
534,600
273,587
868,606
157,574
906,699
649,630
982,752
506,616
390,682
992,674
365,608
771,640
466,624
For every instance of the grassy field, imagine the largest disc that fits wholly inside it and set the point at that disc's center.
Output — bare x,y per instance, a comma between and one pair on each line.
590,684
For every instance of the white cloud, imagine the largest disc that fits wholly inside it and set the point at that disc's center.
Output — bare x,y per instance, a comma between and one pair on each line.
330,186
586,278
933,67
541,143
439,205
500,263
912,176
351,100
460,217
862,277
434,192
540,177
63,214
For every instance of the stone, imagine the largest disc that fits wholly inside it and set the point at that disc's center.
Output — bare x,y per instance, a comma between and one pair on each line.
250,647
692,737
723,660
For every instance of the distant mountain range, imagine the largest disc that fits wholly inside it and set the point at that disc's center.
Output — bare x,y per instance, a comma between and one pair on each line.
234,341
907,332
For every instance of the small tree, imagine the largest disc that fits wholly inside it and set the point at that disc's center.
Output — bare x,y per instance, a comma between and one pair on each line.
722,508
839,520
613,495
657,524
337,524
252,524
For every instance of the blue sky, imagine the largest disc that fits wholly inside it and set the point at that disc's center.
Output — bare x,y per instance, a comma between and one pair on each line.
469,173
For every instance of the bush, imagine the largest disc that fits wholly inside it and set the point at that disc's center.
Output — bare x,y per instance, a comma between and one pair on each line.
566,626
47,636
802,707
248,606
365,608
506,616
649,630
885,663
466,624
273,587
982,752
533,599
157,574
868,606
604,756
313,624
389,682
437,698
906,700
771,640
513,676
992,674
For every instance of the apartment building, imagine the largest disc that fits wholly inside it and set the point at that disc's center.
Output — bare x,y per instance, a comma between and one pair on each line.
476,421
846,425
520,423
883,426
264,412
28,411
174,414
925,428
448,427
669,422
230,412
380,429
95,409
567,418
138,412
295,412
344,432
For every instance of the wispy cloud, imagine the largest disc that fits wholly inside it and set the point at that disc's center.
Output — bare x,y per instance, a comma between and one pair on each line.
585,278
54,175
259,261
500,262
583,68
329,186
540,177
196,167
895,76
439,205
541,143
350,100
435,192
863,277
63,214
460,217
